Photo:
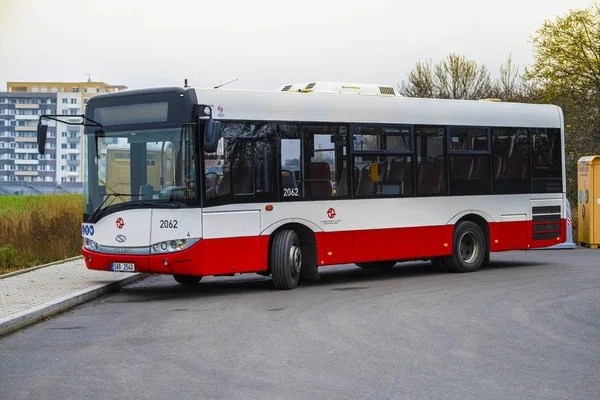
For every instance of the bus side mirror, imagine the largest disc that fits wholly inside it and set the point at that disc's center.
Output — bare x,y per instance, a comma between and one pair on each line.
42,131
212,134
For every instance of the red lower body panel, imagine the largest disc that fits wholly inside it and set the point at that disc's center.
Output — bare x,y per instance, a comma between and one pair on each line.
250,254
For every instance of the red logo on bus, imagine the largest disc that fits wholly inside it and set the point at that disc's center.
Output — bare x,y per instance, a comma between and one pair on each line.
331,213
120,223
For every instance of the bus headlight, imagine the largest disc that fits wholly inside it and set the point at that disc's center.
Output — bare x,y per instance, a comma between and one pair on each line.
172,246
90,244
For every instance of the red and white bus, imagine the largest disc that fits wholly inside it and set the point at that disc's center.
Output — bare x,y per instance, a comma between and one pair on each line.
198,182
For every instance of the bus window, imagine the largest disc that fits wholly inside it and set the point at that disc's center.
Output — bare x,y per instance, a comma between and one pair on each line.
242,165
431,161
469,161
383,159
511,168
546,164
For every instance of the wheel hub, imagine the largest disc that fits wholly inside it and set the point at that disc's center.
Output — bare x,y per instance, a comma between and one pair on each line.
469,247
295,259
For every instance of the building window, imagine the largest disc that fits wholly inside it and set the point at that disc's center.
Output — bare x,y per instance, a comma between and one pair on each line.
63,146
64,156
54,90
44,89
75,90
34,89
72,146
64,134
73,101
65,101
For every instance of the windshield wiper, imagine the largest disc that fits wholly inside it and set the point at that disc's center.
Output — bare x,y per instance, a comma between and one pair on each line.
97,210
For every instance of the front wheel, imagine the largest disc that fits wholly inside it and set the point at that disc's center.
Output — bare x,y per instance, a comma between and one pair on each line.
286,260
187,279
468,248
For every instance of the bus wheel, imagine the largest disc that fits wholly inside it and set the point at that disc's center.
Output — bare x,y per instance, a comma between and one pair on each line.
187,279
468,248
286,260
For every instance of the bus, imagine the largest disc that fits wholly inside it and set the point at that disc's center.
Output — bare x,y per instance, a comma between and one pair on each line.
283,182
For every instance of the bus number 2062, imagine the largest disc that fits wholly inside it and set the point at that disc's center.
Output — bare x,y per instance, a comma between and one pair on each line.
168,223
290,192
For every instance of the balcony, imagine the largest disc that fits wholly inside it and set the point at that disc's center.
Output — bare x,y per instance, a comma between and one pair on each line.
26,140
73,128
26,117
73,139
25,151
26,162
32,128
27,173
73,162
28,106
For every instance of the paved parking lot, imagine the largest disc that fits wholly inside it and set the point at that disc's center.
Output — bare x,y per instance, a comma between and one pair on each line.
527,327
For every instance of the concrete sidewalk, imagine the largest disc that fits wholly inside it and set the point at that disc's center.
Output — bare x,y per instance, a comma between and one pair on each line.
44,291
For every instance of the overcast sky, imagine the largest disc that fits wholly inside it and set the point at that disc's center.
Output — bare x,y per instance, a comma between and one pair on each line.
264,43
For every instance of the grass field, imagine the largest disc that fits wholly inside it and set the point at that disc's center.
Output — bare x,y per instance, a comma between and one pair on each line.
36,230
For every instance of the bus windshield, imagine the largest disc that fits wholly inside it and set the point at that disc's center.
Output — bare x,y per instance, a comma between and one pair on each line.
149,166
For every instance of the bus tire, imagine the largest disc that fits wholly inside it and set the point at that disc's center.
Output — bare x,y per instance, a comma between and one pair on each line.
468,248
187,279
286,260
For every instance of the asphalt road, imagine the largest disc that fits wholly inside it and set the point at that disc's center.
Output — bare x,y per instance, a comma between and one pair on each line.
526,327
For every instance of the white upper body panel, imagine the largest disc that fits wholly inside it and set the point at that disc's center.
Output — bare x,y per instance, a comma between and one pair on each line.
334,107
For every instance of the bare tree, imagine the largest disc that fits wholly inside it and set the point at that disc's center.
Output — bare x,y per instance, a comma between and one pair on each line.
453,78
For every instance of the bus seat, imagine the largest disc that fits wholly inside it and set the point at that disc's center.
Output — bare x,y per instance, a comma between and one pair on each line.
288,180
320,180
516,167
396,171
461,168
498,165
430,178
342,189
225,184
365,185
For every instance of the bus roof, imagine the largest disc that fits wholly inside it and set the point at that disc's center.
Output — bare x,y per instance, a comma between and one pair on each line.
341,107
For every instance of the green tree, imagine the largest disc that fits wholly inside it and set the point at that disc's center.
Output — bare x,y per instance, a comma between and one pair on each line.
566,72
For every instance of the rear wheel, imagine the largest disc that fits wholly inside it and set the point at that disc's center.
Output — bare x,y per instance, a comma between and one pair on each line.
286,259
468,248
187,279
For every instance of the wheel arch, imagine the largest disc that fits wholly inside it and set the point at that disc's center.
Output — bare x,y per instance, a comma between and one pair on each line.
308,244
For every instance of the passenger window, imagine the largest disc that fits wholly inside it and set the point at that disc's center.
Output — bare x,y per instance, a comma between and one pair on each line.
313,161
383,163
511,172
431,161
384,175
468,139
546,160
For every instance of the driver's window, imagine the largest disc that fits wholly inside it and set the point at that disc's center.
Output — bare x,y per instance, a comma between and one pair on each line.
431,161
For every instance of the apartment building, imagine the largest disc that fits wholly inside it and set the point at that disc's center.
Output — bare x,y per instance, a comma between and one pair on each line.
22,169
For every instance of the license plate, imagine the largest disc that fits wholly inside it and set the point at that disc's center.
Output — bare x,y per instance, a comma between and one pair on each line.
123,267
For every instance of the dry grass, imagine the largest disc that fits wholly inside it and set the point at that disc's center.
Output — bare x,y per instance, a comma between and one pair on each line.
36,230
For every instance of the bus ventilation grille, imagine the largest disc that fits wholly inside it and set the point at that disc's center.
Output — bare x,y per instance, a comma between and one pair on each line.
387,90
286,88
546,222
310,85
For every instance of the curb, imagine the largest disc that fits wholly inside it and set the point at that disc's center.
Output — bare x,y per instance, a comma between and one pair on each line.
21,319
22,271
